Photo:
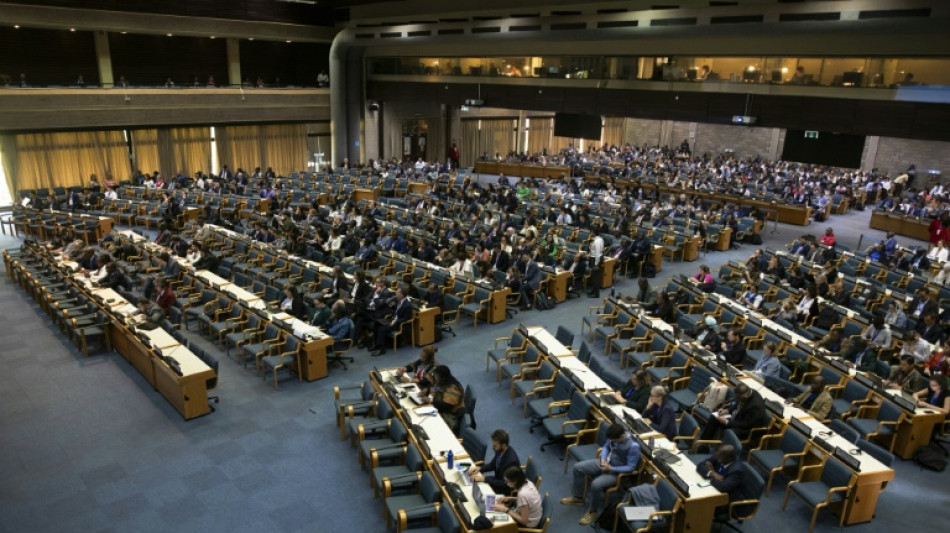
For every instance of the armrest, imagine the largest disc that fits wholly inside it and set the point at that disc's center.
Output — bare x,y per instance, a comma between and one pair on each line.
805,469
538,390
403,516
498,339
679,383
557,405
399,482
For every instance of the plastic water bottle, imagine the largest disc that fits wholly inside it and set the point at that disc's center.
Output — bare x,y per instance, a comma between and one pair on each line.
451,460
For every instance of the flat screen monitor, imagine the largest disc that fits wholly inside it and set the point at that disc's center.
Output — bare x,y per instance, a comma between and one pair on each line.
578,126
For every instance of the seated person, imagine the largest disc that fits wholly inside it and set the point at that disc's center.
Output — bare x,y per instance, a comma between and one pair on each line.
742,415
384,328
418,370
906,377
935,396
619,455
725,474
664,309
815,400
661,412
859,355
833,342
505,458
293,302
769,366
751,297
340,327
733,349
153,313
527,511
704,279
646,295
321,314
706,335
433,296
447,395
636,392
878,334
165,297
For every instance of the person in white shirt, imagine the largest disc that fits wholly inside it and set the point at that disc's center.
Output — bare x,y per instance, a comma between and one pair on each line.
462,266
111,194
916,347
940,253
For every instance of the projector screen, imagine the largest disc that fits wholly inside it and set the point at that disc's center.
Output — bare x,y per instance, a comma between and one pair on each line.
576,126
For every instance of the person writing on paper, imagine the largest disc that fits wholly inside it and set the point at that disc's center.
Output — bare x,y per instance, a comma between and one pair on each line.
742,415
619,455
816,399
527,502
725,473
661,412
906,377
935,396
418,370
505,458
636,393
446,395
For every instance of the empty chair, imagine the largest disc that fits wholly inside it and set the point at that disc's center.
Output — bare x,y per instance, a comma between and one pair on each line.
877,452
882,427
562,427
830,489
427,491
780,454
843,429
288,359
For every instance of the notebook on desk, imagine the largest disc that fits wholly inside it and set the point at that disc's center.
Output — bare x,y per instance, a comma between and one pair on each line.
638,514
416,398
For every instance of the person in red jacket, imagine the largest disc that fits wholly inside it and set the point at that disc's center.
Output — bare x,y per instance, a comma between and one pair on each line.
828,239
165,298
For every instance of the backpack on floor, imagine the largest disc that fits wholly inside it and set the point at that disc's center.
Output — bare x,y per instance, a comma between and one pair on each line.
543,302
649,270
754,238
931,457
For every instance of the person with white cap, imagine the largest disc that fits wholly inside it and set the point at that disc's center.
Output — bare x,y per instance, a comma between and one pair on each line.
706,336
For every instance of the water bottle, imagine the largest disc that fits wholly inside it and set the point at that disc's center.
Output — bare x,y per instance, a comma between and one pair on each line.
451,460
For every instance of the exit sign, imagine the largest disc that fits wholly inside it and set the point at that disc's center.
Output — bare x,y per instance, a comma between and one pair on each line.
811,134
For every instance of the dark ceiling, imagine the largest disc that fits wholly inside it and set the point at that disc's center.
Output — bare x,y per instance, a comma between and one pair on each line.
296,12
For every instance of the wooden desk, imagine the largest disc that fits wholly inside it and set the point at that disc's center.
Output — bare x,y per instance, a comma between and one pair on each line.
607,272
517,169
370,195
691,248
417,187
657,258
314,355
901,225
423,325
725,235
498,305
557,285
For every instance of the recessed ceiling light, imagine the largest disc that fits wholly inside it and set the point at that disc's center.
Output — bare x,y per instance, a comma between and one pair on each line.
123,33
16,26
72,29
212,37
250,38
168,35
289,41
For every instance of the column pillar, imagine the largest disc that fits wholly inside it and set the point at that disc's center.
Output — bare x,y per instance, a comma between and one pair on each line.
103,59
234,62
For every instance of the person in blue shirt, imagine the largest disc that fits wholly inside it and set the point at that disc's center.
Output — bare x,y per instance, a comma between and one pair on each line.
890,245
340,327
768,366
620,455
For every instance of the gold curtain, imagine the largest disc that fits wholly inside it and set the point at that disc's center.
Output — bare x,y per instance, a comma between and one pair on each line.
64,159
540,135
435,139
285,148
185,149
613,131
9,157
468,144
239,147
145,150
561,143
497,136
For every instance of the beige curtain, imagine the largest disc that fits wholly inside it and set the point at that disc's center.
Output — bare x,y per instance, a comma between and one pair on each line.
285,147
540,135
613,131
560,143
64,159
239,146
468,143
9,157
185,149
435,139
145,151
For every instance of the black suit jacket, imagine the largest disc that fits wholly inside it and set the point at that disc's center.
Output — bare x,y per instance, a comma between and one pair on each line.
403,311
498,465
929,307
733,482
748,415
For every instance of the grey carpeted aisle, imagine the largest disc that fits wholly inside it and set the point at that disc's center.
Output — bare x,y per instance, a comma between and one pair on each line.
87,445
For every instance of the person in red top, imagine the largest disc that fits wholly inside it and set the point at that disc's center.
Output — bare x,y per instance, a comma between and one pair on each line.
166,296
936,230
828,239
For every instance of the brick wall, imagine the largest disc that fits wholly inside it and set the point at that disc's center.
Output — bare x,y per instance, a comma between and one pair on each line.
641,131
743,140
894,155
